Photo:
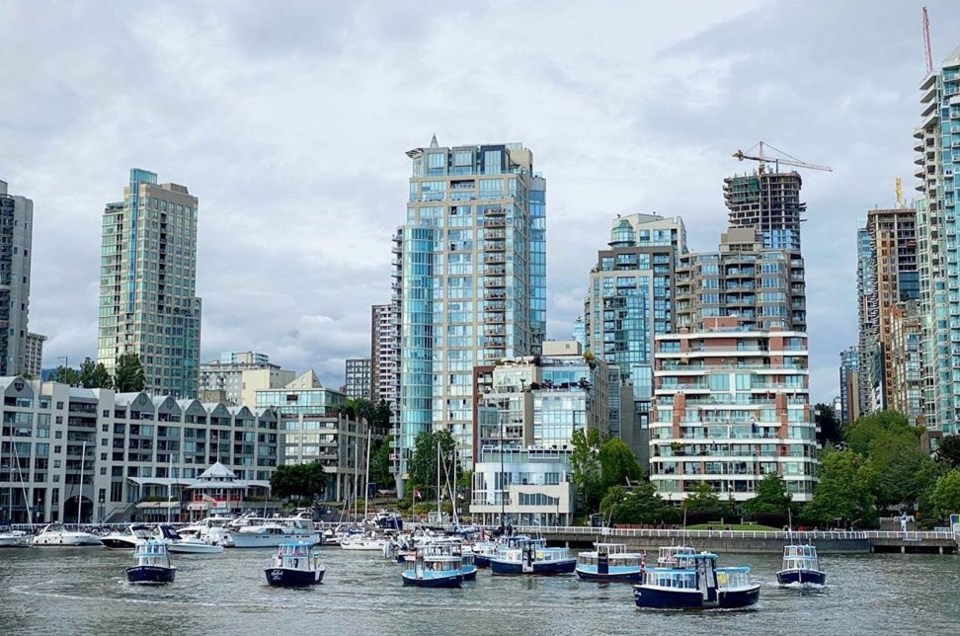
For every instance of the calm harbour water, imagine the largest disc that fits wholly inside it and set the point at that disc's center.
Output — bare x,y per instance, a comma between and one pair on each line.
84,591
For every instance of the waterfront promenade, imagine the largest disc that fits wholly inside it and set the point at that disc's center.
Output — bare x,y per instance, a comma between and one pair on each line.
753,542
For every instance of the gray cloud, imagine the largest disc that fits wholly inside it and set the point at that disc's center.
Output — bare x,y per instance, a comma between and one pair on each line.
290,123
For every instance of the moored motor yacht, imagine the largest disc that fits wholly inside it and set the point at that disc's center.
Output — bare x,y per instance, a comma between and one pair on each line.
13,539
134,535
270,532
177,544
56,534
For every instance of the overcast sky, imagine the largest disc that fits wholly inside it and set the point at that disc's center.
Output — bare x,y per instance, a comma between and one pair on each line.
289,121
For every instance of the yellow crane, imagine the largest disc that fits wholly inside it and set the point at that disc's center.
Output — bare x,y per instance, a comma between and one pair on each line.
898,186
785,160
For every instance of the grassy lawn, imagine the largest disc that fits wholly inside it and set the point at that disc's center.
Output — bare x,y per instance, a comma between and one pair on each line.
747,527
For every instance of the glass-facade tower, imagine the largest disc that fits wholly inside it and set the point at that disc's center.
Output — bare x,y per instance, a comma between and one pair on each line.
631,300
473,267
938,148
148,281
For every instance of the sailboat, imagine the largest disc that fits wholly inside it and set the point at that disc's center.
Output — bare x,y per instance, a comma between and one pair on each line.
57,534
15,538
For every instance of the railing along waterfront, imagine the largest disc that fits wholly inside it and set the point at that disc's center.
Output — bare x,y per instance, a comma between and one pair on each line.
672,533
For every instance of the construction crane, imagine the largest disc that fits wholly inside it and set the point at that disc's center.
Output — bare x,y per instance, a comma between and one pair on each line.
926,40
898,187
786,160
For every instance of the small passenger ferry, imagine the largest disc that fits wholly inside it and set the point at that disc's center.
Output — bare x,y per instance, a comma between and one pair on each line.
153,564
421,570
297,564
800,567
447,547
611,562
696,583
532,556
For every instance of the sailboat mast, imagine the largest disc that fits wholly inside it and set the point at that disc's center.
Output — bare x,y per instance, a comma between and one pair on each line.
10,486
83,457
366,480
439,515
169,486
356,474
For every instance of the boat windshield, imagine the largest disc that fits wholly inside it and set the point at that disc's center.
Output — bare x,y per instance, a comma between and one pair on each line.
669,577
733,577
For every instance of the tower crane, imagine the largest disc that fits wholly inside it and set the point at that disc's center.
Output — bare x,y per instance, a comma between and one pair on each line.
786,160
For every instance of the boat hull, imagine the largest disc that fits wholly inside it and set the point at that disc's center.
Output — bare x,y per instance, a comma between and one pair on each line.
481,560
544,568
658,598
453,580
287,577
256,540
119,543
72,540
190,547
469,572
151,575
801,577
628,576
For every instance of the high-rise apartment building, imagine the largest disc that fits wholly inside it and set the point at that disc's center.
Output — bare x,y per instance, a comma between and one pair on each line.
357,378
385,356
768,202
148,280
467,286
938,147
226,373
888,277
903,357
763,288
16,242
631,299
731,406
849,385
33,355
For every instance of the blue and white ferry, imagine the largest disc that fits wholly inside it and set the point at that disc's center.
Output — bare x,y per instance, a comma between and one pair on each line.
297,564
532,556
153,564
452,547
696,583
609,562
421,570
800,567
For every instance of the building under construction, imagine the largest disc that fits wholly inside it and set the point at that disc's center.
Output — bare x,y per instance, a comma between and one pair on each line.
769,202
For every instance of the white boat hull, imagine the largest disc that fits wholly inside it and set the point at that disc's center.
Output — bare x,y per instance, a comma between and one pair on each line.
193,547
12,540
66,539
375,545
257,540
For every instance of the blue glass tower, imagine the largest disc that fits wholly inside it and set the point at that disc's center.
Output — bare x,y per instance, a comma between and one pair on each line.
472,281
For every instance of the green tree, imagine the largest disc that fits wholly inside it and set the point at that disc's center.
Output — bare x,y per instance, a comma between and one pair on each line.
586,470
862,434
640,504
771,498
702,499
946,494
66,375
843,492
93,375
305,481
380,463
948,451
422,469
128,376
618,464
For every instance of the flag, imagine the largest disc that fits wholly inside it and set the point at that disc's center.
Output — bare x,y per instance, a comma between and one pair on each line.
416,494
208,498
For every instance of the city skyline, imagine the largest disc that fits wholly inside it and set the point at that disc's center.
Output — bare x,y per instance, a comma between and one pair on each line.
295,243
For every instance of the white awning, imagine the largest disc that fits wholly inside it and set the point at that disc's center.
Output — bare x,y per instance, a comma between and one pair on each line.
145,505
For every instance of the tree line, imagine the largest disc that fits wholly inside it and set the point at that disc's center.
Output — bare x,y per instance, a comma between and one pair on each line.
127,377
